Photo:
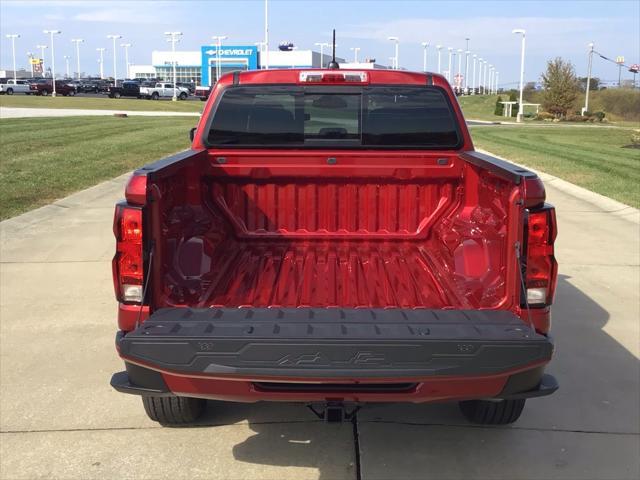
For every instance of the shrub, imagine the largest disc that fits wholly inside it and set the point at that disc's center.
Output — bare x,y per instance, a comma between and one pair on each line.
599,116
499,110
576,118
545,116
635,138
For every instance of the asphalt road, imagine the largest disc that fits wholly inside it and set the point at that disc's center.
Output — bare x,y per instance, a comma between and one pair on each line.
60,419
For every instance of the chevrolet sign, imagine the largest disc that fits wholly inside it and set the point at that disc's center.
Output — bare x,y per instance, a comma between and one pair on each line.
225,52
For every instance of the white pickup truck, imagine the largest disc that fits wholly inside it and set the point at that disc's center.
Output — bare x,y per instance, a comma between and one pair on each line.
15,86
163,89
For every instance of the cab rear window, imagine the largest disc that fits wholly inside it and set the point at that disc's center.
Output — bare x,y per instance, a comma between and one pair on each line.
316,117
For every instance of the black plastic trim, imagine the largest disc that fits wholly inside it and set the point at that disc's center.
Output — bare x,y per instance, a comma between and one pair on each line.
334,343
499,167
121,382
546,386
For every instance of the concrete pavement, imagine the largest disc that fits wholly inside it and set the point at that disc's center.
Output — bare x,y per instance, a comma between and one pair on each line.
60,419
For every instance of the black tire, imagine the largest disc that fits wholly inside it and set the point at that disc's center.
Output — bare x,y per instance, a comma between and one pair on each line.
485,412
173,410
72,93
117,95
183,96
44,93
155,96
9,91
203,99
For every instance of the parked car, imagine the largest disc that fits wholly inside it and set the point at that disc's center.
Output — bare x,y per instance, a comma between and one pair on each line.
14,86
126,89
333,238
44,87
191,87
163,90
90,85
202,92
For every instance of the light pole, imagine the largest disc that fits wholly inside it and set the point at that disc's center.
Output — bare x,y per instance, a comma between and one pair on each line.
586,96
218,39
459,69
266,34
42,49
321,45
449,69
490,79
355,53
77,41
425,45
66,59
497,75
484,80
397,42
466,65
466,72
126,56
101,50
174,37
520,31
30,57
439,48
260,46
53,59
12,37
114,37
473,85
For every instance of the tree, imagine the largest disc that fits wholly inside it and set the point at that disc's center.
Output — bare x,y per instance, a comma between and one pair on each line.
499,110
560,87
594,84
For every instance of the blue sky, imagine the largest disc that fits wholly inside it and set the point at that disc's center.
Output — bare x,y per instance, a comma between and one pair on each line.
554,28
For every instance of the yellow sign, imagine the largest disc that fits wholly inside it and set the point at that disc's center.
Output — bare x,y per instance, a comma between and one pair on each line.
35,61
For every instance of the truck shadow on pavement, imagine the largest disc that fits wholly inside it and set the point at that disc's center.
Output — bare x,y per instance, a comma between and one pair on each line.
598,394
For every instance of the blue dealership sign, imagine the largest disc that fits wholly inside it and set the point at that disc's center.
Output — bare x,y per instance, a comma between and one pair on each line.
229,58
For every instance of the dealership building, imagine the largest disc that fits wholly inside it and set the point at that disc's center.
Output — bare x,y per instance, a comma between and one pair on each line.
200,67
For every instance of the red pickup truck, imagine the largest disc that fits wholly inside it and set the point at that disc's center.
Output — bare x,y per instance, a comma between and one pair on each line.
332,238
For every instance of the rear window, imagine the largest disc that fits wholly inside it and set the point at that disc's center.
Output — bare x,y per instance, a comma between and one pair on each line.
368,117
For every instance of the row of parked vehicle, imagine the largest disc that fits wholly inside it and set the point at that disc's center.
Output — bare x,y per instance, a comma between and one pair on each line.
139,88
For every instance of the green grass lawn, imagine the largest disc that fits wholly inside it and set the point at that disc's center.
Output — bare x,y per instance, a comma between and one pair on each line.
103,103
481,107
592,157
43,159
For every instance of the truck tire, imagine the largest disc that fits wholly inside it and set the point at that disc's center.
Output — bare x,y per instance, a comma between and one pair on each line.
485,412
117,95
203,99
44,93
155,96
9,91
72,93
173,410
183,96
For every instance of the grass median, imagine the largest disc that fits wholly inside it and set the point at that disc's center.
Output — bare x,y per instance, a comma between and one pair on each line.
100,103
44,159
599,159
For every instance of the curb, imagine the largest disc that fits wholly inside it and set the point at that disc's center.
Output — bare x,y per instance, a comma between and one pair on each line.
606,204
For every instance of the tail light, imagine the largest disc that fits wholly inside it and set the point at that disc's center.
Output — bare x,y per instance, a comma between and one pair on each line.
331,76
128,266
541,267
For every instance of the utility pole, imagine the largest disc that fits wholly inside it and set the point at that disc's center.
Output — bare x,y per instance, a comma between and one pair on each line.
53,59
586,96
522,32
66,59
174,37
12,37
77,41
459,79
449,69
425,45
466,66
101,50
126,57
439,48
115,64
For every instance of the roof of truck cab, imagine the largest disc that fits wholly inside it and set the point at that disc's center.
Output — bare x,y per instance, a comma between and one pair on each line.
377,76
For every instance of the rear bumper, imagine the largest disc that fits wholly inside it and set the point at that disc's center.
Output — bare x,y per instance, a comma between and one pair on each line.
314,354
